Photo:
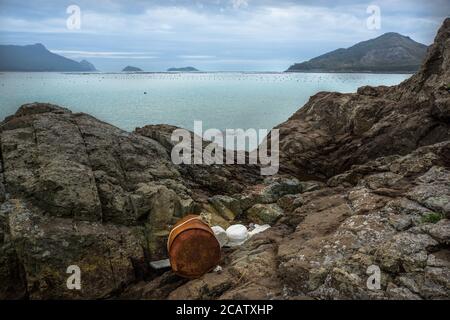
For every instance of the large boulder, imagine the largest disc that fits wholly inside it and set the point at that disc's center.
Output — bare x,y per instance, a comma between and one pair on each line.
82,192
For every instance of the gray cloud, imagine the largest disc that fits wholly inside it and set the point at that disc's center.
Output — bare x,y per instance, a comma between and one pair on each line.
230,33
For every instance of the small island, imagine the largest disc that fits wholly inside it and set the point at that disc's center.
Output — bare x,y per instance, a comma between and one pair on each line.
183,69
131,69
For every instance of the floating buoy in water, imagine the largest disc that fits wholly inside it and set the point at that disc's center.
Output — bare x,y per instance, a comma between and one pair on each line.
193,248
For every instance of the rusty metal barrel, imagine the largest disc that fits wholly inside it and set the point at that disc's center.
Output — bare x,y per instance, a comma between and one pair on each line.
193,248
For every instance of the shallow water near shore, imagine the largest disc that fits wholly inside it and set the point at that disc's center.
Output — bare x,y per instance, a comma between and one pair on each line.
220,100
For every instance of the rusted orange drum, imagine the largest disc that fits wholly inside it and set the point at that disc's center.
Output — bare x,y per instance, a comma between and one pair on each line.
193,248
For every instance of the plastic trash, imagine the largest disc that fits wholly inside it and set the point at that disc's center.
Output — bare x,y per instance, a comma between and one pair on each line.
258,229
160,264
220,234
237,234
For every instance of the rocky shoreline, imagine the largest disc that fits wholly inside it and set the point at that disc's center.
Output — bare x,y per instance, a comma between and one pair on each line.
364,180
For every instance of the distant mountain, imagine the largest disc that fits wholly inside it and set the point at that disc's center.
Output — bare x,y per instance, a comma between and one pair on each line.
37,58
390,52
184,69
87,65
131,69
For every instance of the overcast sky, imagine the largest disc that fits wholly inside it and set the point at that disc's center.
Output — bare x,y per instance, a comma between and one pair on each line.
260,35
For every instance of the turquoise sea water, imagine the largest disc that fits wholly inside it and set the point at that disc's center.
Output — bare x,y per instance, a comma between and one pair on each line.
220,100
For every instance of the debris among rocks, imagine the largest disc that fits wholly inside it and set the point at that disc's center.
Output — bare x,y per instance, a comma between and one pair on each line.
237,234
256,228
193,247
160,264
220,234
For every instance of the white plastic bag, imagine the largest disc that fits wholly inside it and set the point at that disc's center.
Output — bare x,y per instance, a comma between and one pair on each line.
258,228
237,234
220,234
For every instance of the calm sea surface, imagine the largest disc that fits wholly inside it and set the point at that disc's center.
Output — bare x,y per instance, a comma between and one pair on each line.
220,100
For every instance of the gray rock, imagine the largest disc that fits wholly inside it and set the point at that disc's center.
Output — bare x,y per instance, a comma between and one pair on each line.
436,283
405,251
2,189
439,231
433,191
228,207
400,293
46,246
264,213
278,187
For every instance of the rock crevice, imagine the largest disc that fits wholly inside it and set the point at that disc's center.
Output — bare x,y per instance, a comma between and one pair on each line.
86,150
